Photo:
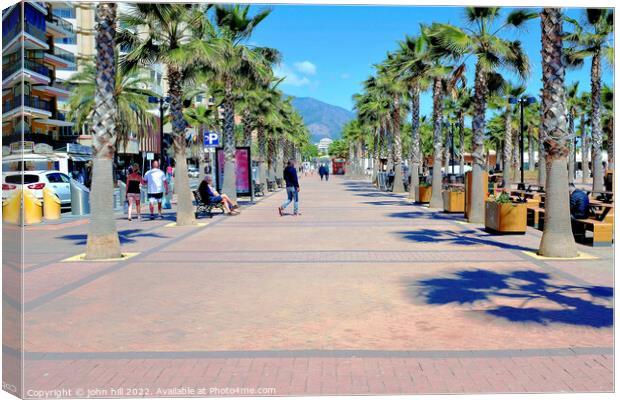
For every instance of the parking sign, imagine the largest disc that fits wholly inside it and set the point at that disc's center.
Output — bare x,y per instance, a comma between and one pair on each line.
211,139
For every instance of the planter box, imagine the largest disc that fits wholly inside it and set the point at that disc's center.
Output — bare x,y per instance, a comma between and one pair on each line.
423,194
505,218
453,202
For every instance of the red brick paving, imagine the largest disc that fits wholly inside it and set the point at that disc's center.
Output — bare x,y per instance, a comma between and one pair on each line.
344,276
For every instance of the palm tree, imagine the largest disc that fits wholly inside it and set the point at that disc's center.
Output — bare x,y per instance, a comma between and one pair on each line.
169,33
509,90
557,239
607,97
583,109
129,93
572,100
492,52
103,241
354,134
240,65
593,37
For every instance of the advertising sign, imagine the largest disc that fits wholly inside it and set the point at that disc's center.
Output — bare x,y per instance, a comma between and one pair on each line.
243,170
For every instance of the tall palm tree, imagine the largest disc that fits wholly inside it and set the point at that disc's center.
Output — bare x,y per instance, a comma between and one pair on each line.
593,37
480,39
572,100
241,65
169,33
584,111
354,134
557,239
103,241
129,93
413,67
509,90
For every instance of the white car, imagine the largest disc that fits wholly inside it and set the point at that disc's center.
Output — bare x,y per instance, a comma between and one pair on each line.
193,172
36,181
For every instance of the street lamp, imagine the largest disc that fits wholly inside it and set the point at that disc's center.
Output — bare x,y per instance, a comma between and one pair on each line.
162,102
523,101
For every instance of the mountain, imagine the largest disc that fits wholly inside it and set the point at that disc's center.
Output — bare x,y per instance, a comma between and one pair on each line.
322,119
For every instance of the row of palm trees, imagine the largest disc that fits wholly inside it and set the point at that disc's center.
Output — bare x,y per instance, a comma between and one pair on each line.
204,49
436,60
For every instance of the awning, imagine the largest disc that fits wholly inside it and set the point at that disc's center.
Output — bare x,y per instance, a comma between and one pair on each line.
76,157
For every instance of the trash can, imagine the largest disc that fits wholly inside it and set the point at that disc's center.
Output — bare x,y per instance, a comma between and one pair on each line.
11,207
80,204
122,194
51,205
33,208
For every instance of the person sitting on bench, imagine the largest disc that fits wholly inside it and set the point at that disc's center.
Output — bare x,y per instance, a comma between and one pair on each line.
579,208
210,195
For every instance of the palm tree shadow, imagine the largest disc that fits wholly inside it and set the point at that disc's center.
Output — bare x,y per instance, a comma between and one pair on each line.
571,304
426,215
463,238
125,236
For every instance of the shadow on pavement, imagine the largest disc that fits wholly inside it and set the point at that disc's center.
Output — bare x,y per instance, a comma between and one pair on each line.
125,236
426,215
567,304
446,236
388,203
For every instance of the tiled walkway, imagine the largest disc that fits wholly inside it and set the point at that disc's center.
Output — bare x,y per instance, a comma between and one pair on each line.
363,293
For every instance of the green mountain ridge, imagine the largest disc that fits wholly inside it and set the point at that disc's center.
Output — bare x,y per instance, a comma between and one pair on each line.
322,119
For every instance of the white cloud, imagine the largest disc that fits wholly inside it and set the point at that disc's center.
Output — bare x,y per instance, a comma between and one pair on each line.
305,67
291,77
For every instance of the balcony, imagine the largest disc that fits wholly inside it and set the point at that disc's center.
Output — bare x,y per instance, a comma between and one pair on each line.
58,27
34,103
35,38
61,58
34,72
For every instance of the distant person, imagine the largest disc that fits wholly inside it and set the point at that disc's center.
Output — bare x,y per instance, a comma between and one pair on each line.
157,185
134,179
321,171
292,189
579,208
326,169
209,195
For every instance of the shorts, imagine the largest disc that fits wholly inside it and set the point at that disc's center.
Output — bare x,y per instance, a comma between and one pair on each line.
133,198
155,197
216,199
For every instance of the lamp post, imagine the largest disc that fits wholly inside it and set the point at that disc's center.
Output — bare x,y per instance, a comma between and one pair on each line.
523,101
163,101
452,147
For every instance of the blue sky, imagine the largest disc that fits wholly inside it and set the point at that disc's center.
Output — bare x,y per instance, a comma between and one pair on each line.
329,50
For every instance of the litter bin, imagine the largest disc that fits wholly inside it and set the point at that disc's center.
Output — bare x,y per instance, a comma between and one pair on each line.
11,207
80,204
51,204
33,208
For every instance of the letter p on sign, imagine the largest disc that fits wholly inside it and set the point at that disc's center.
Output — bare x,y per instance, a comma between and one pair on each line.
211,139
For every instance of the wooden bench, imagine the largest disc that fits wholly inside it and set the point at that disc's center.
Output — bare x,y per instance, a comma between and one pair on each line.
602,231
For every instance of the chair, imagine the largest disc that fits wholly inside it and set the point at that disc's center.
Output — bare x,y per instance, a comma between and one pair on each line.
206,207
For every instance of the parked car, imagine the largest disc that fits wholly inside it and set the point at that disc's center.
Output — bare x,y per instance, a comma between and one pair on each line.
36,181
193,172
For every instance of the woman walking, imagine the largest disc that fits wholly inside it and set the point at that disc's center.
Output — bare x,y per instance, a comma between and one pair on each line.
134,180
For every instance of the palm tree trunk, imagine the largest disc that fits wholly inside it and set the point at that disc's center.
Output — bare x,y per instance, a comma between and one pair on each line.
585,153
461,143
436,195
597,130
571,148
262,153
103,239
247,129
398,187
279,168
185,207
507,152
414,168
557,239
610,145
446,151
229,185
476,213
515,166
542,173
375,151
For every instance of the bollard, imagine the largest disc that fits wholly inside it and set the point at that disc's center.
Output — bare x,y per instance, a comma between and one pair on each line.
33,208
11,207
51,204
80,202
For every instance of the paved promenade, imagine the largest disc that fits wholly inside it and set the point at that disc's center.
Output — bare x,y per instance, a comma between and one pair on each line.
363,293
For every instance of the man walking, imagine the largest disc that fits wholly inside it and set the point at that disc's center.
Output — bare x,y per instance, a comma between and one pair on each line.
292,189
156,182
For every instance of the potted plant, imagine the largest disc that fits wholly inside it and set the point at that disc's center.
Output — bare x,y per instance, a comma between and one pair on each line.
454,199
423,192
503,215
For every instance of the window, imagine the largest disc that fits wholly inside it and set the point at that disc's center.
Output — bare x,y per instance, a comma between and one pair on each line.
54,178
17,179
63,12
72,39
65,178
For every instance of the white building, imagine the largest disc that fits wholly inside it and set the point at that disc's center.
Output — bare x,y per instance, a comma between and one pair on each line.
324,144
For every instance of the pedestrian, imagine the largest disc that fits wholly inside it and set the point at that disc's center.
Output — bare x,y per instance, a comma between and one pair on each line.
292,189
134,179
321,171
156,182
326,169
209,195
